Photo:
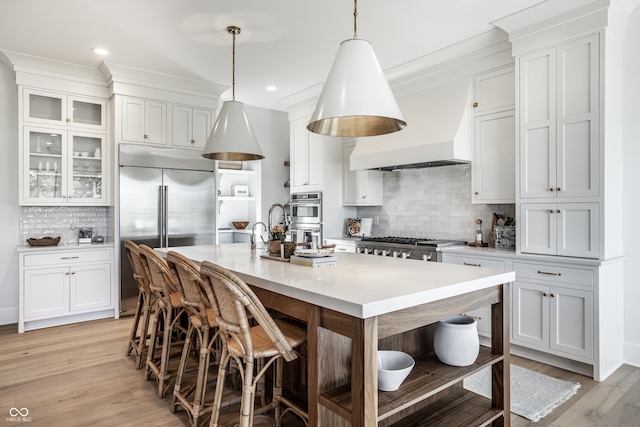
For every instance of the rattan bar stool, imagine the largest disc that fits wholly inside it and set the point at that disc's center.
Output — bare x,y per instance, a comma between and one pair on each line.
271,340
140,329
202,332
166,320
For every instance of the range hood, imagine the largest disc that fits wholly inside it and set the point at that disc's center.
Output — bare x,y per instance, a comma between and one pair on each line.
438,133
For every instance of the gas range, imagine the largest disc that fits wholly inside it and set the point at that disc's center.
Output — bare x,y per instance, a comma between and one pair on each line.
405,247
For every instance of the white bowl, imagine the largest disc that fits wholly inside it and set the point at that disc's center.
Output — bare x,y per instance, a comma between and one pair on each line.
84,154
393,369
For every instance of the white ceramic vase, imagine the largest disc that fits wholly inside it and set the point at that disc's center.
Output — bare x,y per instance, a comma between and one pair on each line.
456,341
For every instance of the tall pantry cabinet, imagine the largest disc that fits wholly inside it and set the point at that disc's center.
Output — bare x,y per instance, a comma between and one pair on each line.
559,140
569,185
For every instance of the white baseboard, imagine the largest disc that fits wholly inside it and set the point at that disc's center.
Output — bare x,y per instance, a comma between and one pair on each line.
631,354
8,315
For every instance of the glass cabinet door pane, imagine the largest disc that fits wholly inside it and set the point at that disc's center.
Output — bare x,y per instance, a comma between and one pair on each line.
45,164
87,167
87,113
45,107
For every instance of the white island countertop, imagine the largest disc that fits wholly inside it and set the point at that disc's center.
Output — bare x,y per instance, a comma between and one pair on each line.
360,286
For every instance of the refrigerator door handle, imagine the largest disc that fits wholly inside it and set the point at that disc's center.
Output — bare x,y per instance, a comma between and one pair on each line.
161,221
165,214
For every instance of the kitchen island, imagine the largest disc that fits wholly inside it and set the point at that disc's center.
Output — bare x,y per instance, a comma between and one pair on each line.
363,304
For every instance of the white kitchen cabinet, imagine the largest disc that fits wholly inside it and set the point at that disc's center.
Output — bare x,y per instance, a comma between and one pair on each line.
559,121
494,91
553,310
61,167
567,229
190,126
359,188
144,121
493,178
306,158
482,315
65,110
64,286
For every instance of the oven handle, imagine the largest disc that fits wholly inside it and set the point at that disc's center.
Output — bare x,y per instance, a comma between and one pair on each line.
292,203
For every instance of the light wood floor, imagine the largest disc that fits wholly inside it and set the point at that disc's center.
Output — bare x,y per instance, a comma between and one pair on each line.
78,375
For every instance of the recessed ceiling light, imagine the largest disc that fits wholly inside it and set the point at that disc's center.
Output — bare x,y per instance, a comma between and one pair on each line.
271,88
100,51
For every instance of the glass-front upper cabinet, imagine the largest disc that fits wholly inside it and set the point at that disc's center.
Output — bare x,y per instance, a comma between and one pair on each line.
67,110
63,167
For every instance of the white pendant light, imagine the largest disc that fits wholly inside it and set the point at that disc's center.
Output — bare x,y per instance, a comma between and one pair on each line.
356,99
232,137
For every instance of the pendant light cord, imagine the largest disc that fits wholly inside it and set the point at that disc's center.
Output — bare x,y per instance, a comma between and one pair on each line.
355,17
233,68
234,31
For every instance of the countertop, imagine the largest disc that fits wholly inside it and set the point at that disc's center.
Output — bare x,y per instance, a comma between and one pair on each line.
357,285
513,255
65,247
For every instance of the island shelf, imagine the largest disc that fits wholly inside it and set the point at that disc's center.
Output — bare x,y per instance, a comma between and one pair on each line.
428,378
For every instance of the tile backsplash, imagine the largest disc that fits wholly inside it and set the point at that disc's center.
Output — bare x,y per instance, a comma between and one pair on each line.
63,221
431,203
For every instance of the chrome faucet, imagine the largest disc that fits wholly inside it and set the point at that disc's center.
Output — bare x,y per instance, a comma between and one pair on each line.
284,214
253,235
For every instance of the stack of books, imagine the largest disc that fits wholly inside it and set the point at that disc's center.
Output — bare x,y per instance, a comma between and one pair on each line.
314,262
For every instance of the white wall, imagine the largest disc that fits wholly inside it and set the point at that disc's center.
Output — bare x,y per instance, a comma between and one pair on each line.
272,130
631,148
8,197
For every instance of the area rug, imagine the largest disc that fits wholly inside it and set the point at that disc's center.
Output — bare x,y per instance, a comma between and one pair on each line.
533,395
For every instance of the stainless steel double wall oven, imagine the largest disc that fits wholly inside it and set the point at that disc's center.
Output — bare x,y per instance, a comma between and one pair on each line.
306,218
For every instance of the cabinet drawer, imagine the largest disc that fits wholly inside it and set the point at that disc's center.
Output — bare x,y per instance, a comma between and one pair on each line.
497,264
554,273
66,258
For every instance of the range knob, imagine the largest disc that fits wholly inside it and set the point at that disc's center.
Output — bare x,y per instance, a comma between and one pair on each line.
376,251
385,252
404,254
366,251
426,257
395,254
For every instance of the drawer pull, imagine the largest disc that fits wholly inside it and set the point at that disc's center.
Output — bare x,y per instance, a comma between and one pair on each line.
69,257
472,265
550,274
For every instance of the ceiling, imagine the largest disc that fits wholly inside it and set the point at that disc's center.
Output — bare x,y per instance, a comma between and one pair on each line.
289,44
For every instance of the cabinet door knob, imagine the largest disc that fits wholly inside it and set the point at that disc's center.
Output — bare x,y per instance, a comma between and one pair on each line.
558,211
73,272
544,294
146,136
193,141
475,104
553,295
364,197
66,274
68,120
64,197
551,189
558,189
550,210
477,193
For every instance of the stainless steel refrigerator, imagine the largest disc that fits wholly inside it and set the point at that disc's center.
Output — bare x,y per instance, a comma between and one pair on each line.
167,198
